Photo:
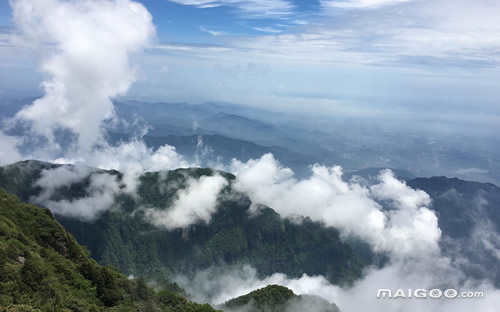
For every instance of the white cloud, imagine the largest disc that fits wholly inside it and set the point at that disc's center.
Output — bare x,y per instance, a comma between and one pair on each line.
52,179
248,8
197,202
211,32
268,30
101,196
100,193
87,45
408,228
184,48
132,159
135,156
85,49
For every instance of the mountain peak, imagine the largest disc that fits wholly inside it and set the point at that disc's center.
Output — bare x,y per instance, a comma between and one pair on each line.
275,298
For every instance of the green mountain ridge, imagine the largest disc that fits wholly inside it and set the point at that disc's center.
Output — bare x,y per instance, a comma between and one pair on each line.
123,238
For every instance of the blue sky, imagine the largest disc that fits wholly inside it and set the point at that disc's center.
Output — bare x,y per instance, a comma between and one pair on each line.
177,21
391,58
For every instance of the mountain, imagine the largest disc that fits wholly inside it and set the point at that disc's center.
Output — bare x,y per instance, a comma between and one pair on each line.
236,122
267,133
222,149
210,149
43,268
461,204
123,237
469,217
275,298
371,174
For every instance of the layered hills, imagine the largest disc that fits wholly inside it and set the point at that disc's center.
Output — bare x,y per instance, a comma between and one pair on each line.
124,237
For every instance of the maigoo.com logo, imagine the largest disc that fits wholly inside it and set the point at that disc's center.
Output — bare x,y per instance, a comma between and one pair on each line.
435,293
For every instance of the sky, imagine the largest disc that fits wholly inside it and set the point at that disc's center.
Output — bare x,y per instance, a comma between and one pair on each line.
393,58
371,58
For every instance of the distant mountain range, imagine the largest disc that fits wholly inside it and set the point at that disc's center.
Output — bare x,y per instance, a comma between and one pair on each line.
350,142
222,149
305,138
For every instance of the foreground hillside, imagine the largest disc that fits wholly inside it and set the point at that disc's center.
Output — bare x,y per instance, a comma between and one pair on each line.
43,268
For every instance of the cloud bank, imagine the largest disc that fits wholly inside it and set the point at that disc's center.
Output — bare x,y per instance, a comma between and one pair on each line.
407,227
389,214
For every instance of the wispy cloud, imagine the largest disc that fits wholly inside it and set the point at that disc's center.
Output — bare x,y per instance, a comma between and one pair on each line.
211,32
248,8
268,30
191,48
423,33
420,34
